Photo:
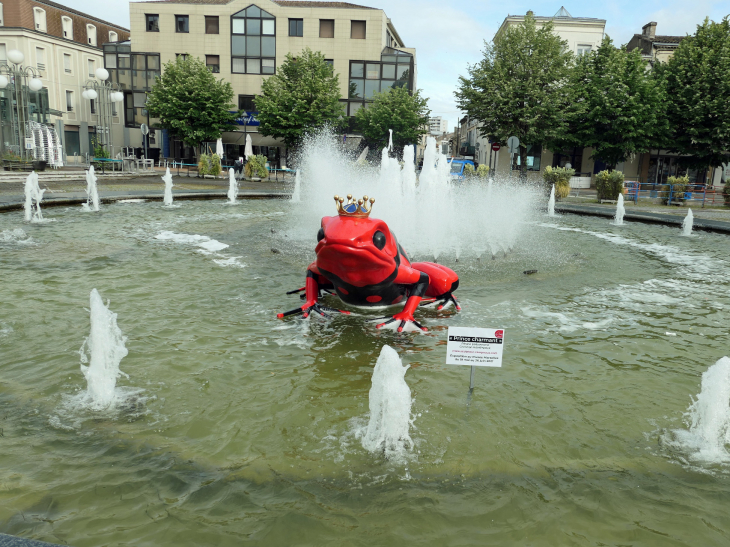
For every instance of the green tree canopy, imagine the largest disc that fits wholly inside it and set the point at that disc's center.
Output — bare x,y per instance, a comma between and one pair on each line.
618,106
302,96
396,109
697,80
520,87
190,102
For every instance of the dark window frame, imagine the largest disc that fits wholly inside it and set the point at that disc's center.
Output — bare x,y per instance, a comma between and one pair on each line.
185,18
250,99
399,60
216,65
352,28
155,27
217,24
298,28
333,28
261,57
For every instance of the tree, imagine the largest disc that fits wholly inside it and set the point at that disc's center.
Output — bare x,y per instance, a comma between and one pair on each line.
302,96
396,109
618,106
698,93
190,102
520,87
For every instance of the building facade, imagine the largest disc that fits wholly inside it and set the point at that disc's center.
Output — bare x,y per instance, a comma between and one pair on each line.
437,126
64,47
244,43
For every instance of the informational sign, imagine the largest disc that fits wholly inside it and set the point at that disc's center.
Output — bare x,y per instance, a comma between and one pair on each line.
496,146
475,347
29,143
249,118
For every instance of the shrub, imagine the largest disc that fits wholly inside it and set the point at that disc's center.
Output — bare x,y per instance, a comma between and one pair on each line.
256,167
482,171
560,177
468,170
204,165
679,186
215,165
609,185
726,193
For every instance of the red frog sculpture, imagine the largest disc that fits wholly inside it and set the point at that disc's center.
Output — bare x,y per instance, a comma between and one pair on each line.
360,260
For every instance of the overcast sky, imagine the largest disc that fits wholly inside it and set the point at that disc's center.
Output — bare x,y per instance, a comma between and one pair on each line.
448,36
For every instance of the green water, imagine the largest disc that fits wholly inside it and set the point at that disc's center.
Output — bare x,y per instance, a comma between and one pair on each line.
243,428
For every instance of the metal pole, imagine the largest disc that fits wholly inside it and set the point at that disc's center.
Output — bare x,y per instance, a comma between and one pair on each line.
471,379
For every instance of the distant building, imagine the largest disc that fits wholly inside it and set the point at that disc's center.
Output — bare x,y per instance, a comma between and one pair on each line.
654,48
64,46
437,125
244,43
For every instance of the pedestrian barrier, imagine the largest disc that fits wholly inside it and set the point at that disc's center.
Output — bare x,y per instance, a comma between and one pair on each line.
673,194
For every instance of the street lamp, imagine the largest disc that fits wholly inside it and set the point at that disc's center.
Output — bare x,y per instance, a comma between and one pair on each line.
106,93
19,80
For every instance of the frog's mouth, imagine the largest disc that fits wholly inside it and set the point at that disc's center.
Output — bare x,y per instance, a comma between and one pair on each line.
358,266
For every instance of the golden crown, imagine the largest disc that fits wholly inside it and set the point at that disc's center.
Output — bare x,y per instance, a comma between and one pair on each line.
354,208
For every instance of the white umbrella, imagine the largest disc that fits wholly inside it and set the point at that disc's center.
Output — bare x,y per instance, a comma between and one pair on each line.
219,148
249,148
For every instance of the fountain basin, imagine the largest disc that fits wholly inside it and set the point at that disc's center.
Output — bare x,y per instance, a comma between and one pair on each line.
245,428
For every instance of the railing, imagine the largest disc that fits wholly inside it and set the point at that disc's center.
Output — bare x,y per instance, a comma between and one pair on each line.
673,194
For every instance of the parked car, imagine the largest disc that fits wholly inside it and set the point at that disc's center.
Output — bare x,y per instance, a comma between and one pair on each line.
457,168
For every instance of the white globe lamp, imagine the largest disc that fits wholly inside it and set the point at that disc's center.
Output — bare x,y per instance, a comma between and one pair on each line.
117,96
85,94
91,94
35,84
4,81
102,73
15,56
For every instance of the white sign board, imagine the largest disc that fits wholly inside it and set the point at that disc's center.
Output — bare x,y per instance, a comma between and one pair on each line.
29,144
513,144
475,347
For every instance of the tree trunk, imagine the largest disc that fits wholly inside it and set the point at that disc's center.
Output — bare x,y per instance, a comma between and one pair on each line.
523,163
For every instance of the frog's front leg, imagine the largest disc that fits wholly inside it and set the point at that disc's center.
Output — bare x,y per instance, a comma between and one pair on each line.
315,283
418,282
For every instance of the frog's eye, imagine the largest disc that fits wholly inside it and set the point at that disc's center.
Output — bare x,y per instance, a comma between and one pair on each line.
379,239
320,234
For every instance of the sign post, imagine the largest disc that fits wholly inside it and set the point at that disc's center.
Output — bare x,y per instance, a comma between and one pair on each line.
513,144
145,131
475,347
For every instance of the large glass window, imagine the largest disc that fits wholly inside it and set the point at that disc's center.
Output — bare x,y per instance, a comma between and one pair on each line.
245,102
136,71
370,77
182,23
296,27
253,42
211,24
326,28
152,22
213,63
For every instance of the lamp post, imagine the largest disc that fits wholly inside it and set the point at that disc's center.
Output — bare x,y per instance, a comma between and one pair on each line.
19,80
106,93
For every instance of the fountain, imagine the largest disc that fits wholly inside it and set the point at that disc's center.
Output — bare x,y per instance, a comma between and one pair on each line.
232,187
551,202
709,416
296,195
390,408
620,211
33,193
687,223
92,196
390,140
409,172
168,187
103,350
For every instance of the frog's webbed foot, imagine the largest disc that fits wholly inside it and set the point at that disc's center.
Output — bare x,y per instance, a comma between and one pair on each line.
400,322
443,302
308,309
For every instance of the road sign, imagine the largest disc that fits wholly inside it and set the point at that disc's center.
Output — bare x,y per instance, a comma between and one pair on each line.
145,130
513,143
496,147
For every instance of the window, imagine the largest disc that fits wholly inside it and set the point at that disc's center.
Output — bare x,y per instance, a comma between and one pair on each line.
39,17
68,27
152,22
583,49
3,53
40,58
357,30
1,14
67,63
183,56
91,35
110,60
246,102
326,28
92,67
296,27
182,23
330,62
534,153
92,106
69,101
213,63
253,42
211,24
113,36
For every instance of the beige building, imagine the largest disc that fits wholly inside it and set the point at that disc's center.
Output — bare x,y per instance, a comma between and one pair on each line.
245,42
63,47
654,49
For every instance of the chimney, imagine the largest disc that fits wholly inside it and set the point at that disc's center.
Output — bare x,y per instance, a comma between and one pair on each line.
649,30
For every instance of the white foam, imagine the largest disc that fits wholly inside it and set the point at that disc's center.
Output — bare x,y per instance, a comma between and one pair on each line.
17,235
232,261
203,242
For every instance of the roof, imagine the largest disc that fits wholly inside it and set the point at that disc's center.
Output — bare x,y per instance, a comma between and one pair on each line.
283,3
80,13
